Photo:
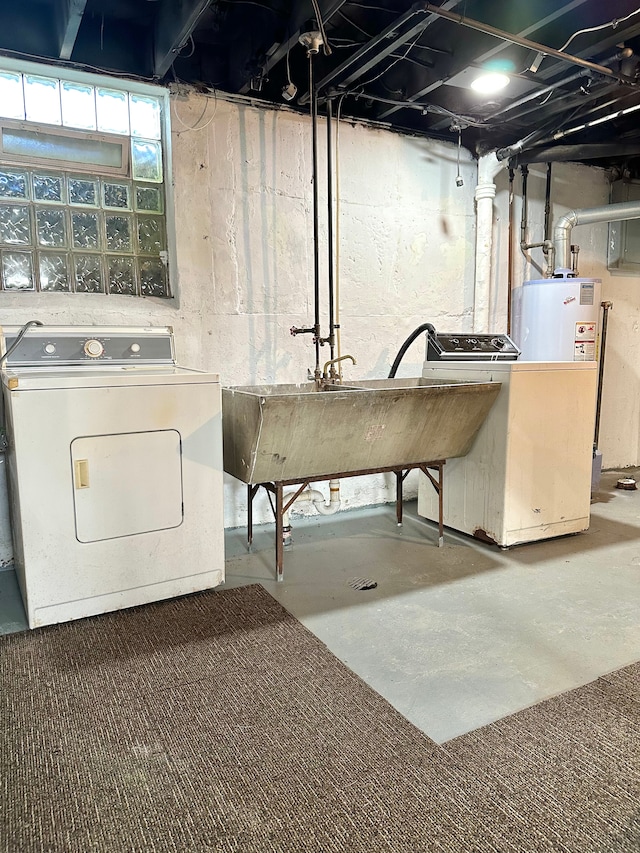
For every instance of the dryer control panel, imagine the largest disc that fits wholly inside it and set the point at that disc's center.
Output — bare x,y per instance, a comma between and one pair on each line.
39,346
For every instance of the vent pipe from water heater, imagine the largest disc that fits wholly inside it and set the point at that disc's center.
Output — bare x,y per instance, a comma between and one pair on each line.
605,213
556,319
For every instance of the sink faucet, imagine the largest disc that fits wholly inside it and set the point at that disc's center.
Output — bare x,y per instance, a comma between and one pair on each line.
332,373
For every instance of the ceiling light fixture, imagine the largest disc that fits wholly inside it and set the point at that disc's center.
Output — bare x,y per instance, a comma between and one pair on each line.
490,82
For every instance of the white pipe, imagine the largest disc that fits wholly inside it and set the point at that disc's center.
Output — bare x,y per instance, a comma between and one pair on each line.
488,168
317,498
604,213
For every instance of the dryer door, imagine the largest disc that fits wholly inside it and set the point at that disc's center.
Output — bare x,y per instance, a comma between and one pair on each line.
126,484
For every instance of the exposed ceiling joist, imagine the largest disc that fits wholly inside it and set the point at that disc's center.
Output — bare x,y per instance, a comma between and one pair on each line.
398,33
619,36
563,10
71,18
175,22
302,12
530,45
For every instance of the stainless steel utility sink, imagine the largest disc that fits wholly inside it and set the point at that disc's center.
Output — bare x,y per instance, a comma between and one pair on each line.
290,432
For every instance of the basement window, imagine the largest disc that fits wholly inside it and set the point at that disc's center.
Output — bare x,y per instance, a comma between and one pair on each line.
83,199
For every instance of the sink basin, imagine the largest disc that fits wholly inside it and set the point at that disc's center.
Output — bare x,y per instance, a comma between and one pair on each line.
291,432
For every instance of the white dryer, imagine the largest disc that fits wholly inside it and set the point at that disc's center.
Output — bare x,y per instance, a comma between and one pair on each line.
115,470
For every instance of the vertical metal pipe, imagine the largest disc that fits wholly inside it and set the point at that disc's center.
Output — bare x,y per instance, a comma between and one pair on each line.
606,306
547,205
510,253
330,251
525,206
316,252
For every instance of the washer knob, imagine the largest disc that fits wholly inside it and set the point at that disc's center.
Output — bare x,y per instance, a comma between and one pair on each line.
94,348
49,349
135,347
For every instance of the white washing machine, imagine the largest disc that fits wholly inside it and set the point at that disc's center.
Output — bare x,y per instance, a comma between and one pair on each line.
527,476
115,470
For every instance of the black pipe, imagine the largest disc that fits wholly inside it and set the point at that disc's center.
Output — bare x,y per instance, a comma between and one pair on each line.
332,338
425,327
525,209
606,306
547,205
566,153
510,253
316,256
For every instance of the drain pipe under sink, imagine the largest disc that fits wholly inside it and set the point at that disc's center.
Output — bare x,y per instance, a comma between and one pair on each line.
317,499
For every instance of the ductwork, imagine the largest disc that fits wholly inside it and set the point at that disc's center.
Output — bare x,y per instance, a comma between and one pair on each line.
605,213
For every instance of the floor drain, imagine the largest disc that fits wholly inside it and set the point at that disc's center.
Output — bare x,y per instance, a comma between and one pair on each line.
363,583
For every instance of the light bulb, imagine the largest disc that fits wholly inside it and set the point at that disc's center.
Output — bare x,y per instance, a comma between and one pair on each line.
490,82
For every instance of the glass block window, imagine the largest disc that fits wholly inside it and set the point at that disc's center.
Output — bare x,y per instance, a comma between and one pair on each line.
66,225
70,233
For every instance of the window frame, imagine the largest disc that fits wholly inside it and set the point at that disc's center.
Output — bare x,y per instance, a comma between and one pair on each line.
134,87
25,161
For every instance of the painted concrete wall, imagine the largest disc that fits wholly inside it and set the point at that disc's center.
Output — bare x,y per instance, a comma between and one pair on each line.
243,198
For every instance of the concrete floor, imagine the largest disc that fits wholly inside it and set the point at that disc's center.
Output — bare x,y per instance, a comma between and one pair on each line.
460,636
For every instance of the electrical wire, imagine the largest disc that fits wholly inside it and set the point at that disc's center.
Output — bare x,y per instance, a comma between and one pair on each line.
326,47
197,126
615,22
349,44
250,3
395,62
375,8
354,25
424,107
20,336
193,50
288,68
77,66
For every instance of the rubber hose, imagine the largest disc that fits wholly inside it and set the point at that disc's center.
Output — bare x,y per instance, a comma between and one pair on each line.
425,327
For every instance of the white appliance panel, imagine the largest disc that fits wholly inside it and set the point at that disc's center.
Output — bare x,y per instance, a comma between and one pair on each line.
126,484
527,476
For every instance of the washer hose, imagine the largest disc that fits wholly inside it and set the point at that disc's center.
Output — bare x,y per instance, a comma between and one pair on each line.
425,327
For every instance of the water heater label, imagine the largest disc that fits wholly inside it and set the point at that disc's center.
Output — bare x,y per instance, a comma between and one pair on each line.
584,348
587,290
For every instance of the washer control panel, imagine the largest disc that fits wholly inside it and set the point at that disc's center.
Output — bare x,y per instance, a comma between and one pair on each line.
73,346
471,347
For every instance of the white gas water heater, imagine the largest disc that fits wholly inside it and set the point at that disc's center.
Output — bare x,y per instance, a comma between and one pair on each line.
557,319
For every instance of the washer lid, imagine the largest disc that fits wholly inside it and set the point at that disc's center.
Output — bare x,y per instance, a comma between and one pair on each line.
101,376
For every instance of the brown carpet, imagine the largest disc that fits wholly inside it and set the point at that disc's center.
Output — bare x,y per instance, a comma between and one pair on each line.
217,722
